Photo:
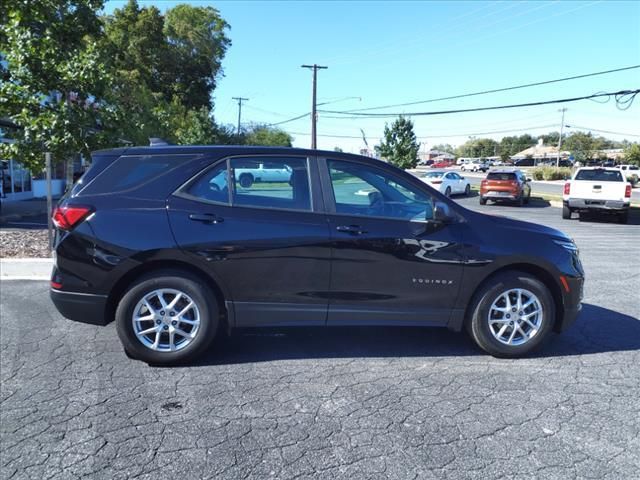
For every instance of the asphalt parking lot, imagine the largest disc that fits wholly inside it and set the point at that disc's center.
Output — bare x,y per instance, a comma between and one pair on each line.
348,403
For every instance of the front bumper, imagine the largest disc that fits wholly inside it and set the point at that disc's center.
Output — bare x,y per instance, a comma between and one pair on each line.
80,307
571,303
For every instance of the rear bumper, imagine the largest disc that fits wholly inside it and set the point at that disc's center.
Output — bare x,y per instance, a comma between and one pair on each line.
499,195
80,307
592,204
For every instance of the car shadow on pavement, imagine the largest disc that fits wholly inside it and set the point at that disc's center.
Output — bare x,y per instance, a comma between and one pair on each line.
597,330
634,217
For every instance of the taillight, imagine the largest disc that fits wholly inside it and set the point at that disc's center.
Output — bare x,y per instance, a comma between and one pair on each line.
627,191
437,182
68,217
567,188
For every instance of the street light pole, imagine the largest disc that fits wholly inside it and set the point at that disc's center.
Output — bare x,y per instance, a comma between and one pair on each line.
314,113
560,139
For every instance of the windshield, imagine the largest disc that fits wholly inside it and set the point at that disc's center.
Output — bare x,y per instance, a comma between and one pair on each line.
501,176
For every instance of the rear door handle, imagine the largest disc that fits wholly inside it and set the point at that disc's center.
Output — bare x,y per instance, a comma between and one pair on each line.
205,218
352,229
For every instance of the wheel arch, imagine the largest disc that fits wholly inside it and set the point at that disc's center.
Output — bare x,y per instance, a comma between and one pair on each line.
124,282
534,270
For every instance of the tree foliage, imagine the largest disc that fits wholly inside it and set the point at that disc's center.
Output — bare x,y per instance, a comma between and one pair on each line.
55,81
399,146
165,70
632,154
478,147
585,146
266,136
444,147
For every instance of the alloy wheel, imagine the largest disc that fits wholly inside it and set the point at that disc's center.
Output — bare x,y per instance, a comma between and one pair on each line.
166,320
515,317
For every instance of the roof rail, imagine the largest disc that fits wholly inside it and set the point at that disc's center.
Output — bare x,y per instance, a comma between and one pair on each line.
158,142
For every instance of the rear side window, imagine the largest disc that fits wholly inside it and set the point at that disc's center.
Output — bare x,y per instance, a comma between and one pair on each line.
501,176
600,175
132,171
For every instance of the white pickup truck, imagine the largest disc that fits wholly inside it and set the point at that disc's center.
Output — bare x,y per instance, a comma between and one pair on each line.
263,172
595,189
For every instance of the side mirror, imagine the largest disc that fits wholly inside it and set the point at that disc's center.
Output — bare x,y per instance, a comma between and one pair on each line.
529,179
461,178
442,213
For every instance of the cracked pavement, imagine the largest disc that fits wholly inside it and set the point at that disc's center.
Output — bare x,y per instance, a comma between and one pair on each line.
333,403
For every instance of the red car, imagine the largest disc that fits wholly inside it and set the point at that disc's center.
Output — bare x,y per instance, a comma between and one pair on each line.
442,164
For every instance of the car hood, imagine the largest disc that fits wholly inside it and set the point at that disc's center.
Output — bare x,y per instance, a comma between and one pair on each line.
529,227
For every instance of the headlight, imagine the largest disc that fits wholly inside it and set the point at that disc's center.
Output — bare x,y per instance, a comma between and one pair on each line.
567,245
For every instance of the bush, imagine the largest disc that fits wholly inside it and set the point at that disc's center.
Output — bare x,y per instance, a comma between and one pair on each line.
551,173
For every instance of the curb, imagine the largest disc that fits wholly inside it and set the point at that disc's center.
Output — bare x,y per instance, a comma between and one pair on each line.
25,268
19,216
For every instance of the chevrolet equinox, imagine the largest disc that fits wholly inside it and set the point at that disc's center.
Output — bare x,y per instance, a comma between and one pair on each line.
175,243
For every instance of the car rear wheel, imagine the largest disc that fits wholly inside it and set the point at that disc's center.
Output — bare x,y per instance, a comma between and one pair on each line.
511,315
447,192
483,201
467,190
167,318
566,212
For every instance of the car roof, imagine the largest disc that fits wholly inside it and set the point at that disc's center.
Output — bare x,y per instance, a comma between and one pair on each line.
611,169
504,170
229,150
437,171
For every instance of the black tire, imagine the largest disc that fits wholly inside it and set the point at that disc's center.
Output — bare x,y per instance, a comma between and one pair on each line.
447,192
566,212
520,200
246,180
527,198
478,321
483,201
467,190
623,217
200,294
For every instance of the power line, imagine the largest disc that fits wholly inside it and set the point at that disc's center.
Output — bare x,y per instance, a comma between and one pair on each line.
289,120
603,131
437,135
619,94
485,92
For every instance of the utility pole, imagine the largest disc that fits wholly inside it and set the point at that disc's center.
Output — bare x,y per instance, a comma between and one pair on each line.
240,100
314,113
560,139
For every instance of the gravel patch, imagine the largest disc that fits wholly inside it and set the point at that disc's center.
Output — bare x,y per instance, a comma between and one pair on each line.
24,243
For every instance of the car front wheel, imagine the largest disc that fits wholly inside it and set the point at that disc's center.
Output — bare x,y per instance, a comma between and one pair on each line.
166,318
511,315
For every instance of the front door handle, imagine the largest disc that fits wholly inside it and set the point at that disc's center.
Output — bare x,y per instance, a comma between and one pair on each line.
205,218
352,229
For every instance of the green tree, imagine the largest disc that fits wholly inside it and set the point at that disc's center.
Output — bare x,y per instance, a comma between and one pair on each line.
632,154
444,147
266,136
478,147
584,146
55,80
165,70
512,145
399,146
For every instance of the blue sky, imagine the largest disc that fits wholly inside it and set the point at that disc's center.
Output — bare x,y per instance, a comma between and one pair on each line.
381,53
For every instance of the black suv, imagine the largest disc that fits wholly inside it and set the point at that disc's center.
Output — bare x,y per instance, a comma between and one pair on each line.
173,245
